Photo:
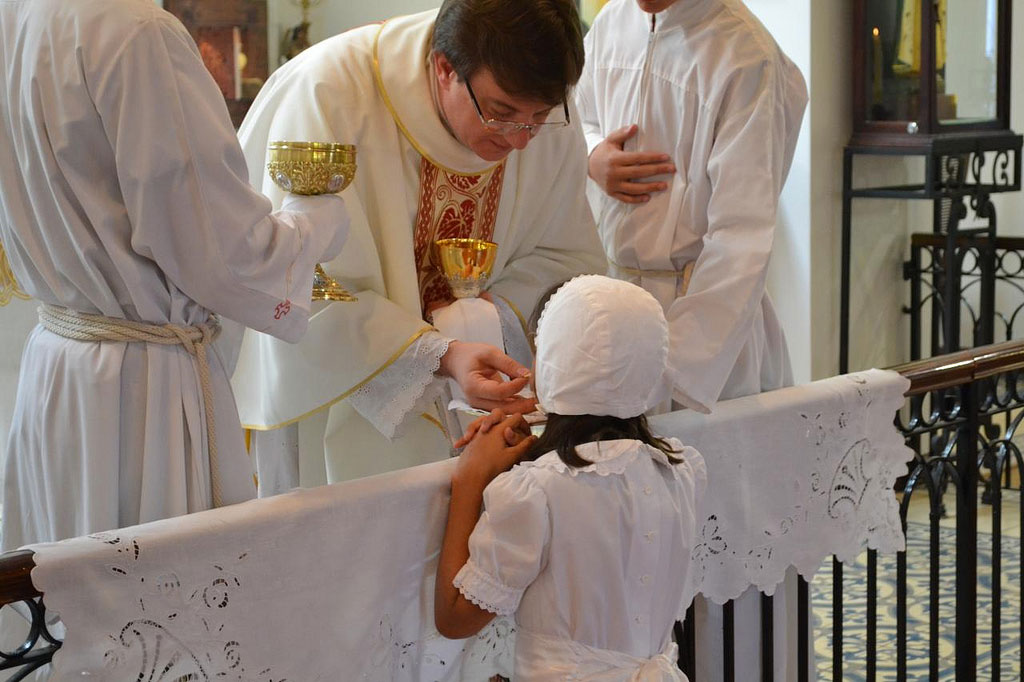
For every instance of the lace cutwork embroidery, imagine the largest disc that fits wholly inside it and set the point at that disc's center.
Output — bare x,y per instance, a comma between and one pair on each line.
451,206
181,631
849,483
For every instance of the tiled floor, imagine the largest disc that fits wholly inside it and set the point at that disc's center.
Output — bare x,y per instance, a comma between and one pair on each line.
919,638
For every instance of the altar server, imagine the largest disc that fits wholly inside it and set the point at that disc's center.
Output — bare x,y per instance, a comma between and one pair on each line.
692,113
463,129
125,209
590,543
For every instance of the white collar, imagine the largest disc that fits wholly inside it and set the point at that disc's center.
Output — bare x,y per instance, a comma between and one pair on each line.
401,58
684,13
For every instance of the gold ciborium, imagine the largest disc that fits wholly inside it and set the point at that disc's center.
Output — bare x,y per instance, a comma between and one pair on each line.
311,168
467,264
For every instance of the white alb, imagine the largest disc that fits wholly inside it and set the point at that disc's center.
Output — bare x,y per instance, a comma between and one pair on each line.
124,193
707,85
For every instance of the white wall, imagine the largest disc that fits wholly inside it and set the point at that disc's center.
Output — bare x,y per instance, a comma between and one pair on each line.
789,277
830,101
879,228
1010,207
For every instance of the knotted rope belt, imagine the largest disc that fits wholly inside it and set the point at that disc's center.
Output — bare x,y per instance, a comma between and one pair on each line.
85,327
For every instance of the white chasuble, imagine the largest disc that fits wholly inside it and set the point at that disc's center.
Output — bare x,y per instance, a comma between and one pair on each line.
370,366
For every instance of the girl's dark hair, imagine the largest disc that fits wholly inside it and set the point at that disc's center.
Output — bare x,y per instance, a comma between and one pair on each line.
564,432
534,48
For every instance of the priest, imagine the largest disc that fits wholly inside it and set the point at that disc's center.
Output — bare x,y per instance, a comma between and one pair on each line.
125,209
463,128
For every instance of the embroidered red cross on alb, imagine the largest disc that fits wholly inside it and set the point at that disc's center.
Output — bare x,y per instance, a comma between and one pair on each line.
282,309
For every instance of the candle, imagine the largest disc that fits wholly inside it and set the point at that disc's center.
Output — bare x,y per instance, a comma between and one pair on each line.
876,64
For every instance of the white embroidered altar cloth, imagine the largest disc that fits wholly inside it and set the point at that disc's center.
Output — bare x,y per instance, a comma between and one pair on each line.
337,582
795,475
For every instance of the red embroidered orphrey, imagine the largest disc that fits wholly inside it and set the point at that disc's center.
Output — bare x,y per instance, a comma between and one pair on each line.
282,309
451,206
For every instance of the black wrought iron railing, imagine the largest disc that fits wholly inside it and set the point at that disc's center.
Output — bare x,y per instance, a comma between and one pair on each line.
961,418
37,647
982,303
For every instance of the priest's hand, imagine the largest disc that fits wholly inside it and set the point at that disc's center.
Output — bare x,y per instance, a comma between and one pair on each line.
619,172
514,434
477,368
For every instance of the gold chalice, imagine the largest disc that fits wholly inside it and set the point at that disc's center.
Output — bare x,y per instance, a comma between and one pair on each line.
467,264
311,168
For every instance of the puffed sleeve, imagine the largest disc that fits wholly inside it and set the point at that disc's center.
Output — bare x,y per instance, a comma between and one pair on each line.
693,470
508,546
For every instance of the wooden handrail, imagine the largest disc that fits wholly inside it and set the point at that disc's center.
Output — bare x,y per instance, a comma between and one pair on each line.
963,367
15,576
1001,243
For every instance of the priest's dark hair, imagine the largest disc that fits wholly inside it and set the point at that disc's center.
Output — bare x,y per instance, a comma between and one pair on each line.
564,432
534,48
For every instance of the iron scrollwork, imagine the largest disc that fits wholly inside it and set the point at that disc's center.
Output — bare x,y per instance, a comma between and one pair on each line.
38,646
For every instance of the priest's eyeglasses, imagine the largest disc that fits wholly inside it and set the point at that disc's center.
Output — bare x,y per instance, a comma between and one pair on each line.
513,127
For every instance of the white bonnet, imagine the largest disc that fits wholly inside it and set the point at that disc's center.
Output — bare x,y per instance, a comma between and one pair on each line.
602,348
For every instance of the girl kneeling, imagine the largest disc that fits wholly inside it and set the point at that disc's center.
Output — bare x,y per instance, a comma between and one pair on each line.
587,539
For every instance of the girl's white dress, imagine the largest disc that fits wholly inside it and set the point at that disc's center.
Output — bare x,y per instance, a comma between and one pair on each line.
594,561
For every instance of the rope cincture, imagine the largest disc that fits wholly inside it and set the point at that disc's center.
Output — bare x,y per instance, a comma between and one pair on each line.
77,326
685,274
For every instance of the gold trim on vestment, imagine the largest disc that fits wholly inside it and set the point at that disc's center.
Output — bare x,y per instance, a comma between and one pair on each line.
379,78
9,288
397,354
522,322
436,422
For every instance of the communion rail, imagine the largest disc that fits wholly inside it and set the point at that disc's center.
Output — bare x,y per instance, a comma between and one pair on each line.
962,415
960,418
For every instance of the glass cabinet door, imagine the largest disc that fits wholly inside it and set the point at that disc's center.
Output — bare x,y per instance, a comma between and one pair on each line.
966,61
892,68
966,46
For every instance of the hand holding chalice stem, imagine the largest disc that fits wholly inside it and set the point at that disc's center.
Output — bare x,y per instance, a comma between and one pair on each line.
311,168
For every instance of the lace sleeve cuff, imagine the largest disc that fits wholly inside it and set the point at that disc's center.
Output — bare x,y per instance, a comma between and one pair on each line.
388,400
485,591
